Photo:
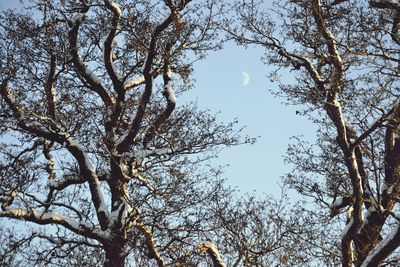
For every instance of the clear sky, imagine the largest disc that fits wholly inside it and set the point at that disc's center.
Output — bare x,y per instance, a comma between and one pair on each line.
219,87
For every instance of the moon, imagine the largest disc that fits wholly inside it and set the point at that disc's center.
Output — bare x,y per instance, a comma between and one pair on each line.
245,78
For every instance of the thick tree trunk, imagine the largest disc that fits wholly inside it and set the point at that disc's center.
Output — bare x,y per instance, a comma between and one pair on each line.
115,256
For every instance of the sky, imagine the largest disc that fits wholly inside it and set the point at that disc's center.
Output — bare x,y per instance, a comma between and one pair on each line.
219,87
233,81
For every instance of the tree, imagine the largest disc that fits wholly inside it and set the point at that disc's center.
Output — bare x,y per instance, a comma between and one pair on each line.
93,144
344,56
266,231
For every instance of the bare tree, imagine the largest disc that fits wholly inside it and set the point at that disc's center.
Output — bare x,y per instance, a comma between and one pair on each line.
266,231
93,144
344,57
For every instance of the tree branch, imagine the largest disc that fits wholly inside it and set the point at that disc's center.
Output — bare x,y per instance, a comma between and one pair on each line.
49,88
85,167
126,144
108,53
384,4
44,218
171,102
88,76
334,110
386,247
151,245
331,43
213,252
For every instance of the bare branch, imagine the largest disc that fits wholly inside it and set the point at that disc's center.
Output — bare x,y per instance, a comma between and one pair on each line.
383,249
213,252
88,76
134,129
171,102
150,243
385,4
49,88
54,218
108,53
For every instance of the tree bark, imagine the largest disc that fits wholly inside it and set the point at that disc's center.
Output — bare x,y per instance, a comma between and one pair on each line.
115,256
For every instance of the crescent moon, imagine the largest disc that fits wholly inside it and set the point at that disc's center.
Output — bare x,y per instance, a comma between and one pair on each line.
245,78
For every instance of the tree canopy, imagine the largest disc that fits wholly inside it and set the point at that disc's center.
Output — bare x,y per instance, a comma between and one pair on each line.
344,56
92,140
101,165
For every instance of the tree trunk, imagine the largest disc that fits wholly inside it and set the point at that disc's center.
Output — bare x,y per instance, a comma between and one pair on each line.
115,256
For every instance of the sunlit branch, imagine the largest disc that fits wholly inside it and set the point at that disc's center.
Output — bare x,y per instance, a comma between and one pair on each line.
108,44
171,102
145,98
44,218
151,245
88,76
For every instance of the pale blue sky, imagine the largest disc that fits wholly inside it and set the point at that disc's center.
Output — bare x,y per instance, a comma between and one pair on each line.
219,87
